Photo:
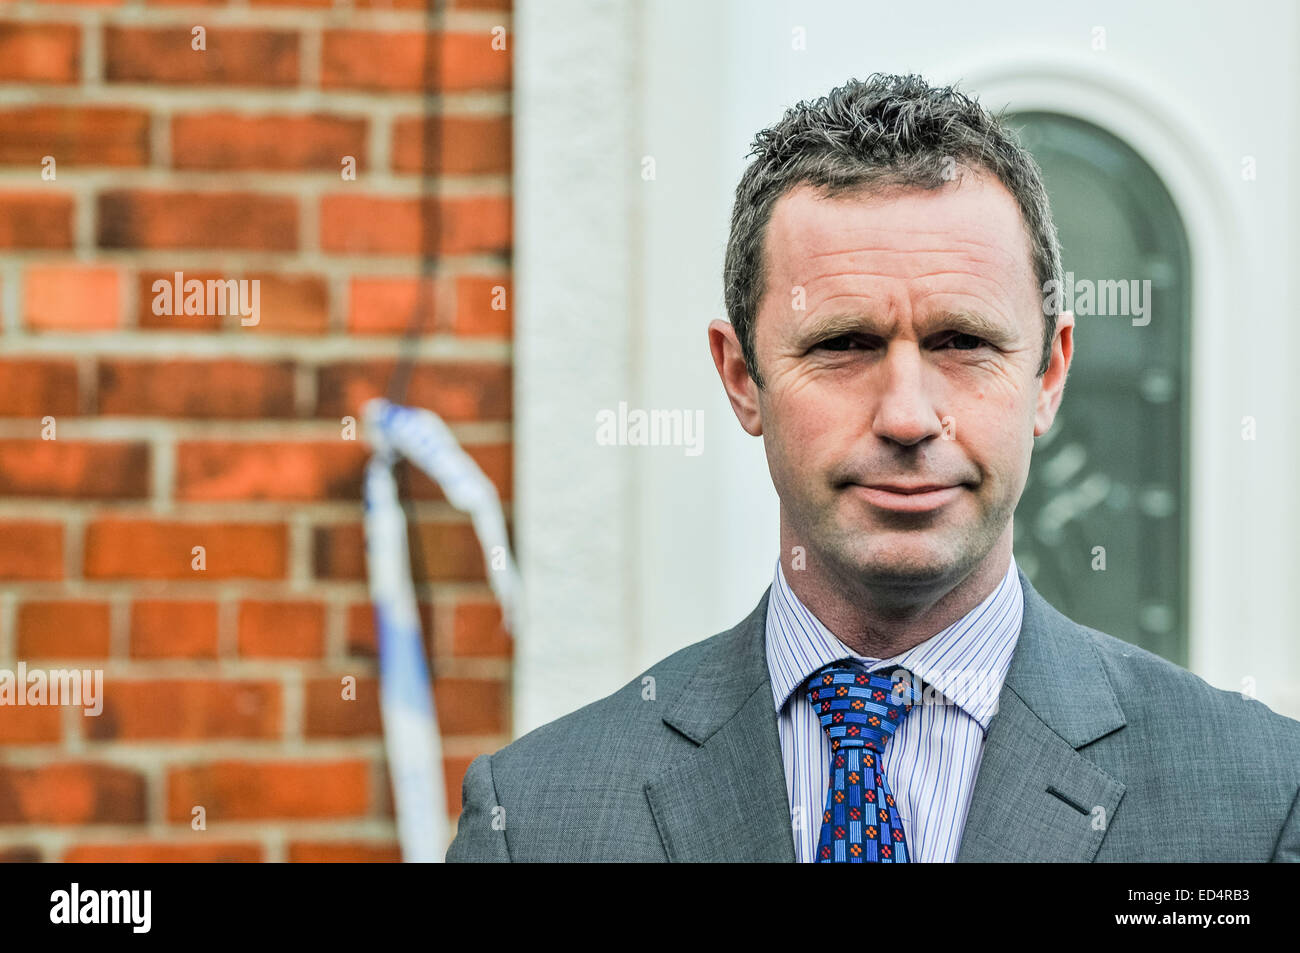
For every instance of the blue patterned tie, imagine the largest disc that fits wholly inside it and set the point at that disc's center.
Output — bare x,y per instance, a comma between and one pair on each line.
860,711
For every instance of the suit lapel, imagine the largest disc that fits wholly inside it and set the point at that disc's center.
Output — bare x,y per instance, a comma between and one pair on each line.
1036,798
727,800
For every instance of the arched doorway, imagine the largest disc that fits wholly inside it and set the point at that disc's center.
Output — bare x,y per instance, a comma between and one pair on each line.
1110,479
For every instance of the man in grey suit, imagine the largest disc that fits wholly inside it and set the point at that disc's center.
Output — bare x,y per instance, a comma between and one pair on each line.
893,339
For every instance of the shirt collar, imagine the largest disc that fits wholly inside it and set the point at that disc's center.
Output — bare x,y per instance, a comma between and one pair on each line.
967,662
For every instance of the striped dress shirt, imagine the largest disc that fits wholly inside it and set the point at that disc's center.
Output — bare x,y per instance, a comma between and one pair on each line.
932,760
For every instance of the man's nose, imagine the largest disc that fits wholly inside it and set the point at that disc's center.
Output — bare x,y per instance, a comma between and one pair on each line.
905,411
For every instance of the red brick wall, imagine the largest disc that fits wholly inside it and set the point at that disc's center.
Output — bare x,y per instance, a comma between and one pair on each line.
223,685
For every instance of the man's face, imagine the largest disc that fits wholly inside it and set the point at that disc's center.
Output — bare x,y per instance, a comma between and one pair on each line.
898,338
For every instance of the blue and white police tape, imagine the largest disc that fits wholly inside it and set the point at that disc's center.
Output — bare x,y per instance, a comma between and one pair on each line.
411,738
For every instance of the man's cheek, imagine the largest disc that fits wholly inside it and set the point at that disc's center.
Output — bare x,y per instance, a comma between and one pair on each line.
816,424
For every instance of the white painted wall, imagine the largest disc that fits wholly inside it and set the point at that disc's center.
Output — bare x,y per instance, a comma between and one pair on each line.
630,553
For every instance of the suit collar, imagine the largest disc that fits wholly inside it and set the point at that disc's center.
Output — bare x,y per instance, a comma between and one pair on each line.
1035,797
732,667
1058,674
727,800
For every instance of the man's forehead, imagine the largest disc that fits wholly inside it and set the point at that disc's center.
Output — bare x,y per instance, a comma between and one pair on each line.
902,232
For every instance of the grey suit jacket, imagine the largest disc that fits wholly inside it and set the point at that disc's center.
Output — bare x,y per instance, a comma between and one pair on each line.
1099,750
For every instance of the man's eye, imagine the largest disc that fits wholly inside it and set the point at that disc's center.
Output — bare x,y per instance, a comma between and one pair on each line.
841,343
969,339
846,342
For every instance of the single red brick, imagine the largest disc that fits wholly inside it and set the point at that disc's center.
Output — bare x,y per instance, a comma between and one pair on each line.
448,551
329,715
158,853
30,724
31,550
483,307
384,225
281,629
40,52
29,220
455,391
269,470
63,630
291,304
71,793
192,709
74,135
37,388
171,629
452,145
479,630
338,552
256,790
391,305
274,141
155,291
244,221
144,549
388,61
196,389
71,298
233,56
469,61
441,552
471,706
343,852
58,468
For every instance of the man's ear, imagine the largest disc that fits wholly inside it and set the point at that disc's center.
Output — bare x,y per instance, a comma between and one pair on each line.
1052,387
730,362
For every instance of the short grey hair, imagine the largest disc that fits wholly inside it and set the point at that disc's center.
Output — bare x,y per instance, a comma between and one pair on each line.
873,134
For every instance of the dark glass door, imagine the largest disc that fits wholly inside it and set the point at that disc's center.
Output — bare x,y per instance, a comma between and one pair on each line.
1109,480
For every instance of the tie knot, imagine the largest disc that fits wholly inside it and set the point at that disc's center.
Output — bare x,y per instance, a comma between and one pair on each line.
858,708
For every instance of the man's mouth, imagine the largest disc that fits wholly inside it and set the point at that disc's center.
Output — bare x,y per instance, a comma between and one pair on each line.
909,488
908,497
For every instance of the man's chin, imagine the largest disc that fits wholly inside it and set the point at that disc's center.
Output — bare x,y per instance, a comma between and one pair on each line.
904,575
900,566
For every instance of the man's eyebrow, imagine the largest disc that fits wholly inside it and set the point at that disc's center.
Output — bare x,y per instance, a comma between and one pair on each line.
969,322
959,322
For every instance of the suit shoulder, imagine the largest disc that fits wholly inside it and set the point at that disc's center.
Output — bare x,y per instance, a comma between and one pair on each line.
1161,692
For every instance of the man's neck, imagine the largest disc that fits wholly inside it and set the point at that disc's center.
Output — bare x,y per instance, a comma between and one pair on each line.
882,623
